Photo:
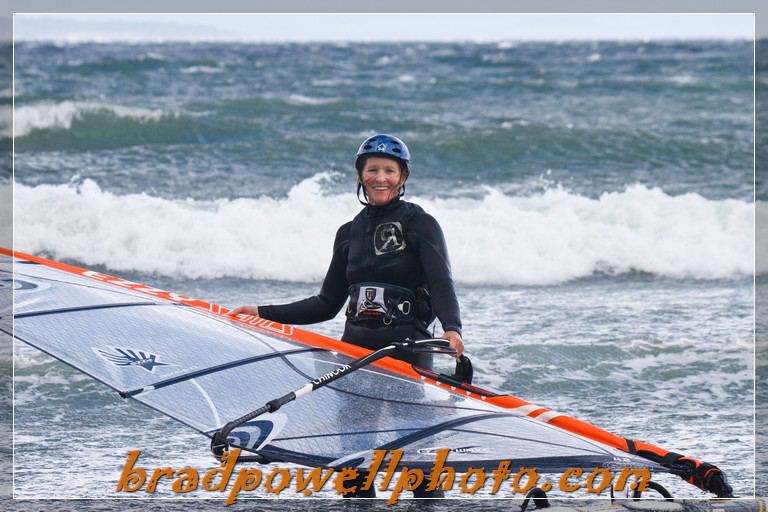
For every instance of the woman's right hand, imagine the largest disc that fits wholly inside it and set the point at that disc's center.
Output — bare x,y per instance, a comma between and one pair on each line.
244,310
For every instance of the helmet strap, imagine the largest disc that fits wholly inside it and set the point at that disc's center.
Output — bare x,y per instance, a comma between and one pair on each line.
365,194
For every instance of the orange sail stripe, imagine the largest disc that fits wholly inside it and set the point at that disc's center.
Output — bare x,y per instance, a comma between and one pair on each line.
590,431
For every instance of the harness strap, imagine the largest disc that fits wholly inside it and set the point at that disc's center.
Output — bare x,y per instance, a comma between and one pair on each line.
373,302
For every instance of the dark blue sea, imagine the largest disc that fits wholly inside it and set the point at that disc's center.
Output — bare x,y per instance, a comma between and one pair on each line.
598,201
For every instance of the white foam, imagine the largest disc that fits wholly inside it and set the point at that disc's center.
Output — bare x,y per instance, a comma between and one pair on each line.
264,237
46,115
494,58
681,79
332,82
299,99
507,125
537,239
201,70
559,235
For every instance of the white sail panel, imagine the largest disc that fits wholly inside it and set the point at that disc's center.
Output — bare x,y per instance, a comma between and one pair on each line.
205,370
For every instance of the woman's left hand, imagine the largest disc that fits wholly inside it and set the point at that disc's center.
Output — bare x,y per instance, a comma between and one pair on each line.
455,342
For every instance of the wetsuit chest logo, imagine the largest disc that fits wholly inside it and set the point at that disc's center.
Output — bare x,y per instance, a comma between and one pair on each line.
388,238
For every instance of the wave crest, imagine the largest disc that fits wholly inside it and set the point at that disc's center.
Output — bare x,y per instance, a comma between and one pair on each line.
544,238
46,116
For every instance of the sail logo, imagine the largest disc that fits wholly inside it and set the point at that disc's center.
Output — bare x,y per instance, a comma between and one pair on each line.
20,285
255,434
131,357
17,284
331,374
251,434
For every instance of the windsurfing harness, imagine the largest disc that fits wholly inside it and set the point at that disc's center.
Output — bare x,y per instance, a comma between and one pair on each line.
375,304
184,358
397,255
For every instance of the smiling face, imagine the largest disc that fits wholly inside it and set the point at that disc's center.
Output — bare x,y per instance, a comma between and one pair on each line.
382,179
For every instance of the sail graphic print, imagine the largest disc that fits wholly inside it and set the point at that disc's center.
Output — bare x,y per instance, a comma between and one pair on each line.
131,357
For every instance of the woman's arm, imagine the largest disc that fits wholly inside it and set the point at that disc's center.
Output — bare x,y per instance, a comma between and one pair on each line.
320,307
436,267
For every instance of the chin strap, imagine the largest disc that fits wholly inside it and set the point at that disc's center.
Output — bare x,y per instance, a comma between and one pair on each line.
365,195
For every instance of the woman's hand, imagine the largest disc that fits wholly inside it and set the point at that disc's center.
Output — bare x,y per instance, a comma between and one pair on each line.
455,342
245,310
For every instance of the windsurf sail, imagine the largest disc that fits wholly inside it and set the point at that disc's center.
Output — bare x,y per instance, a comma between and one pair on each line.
181,356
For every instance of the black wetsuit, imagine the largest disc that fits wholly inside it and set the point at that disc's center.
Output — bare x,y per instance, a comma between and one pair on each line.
396,244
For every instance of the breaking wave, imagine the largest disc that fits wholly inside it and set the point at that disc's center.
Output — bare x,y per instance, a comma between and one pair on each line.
543,238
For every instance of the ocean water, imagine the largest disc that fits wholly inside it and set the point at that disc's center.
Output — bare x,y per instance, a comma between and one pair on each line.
598,201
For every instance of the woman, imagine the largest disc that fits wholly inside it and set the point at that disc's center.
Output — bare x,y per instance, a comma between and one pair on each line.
390,263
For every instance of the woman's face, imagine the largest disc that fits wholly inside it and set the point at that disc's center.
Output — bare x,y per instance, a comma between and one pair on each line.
382,179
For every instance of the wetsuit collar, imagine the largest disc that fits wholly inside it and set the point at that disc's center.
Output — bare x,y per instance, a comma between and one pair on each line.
374,210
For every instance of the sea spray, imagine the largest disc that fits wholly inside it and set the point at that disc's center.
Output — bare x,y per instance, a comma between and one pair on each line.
542,238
